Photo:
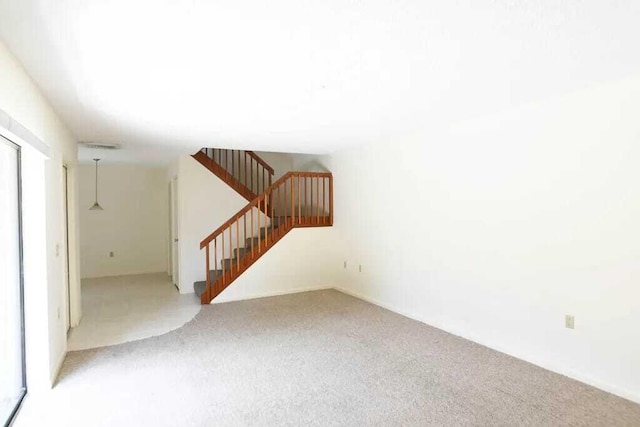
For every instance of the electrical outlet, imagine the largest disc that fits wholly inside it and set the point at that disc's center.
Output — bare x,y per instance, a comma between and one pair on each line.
110,254
569,321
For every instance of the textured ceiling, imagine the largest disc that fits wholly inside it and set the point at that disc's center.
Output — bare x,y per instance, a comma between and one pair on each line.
161,77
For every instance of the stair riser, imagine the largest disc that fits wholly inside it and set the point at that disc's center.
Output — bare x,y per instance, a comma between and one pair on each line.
214,274
228,263
240,252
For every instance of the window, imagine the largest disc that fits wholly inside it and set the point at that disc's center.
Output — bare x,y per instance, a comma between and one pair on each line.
12,360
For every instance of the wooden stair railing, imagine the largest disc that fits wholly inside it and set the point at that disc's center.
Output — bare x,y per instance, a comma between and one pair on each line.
242,170
298,199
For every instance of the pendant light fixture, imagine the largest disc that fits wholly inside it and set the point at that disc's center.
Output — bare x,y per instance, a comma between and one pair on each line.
96,206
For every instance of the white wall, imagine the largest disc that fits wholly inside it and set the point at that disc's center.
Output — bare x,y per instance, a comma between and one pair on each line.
303,260
280,162
497,228
133,224
43,215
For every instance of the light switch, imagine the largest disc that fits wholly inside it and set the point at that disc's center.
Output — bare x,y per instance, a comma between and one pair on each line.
569,321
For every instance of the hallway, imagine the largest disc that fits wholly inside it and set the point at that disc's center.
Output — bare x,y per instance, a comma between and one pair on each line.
120,309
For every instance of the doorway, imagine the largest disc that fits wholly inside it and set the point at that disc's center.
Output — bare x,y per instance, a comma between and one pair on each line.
12,356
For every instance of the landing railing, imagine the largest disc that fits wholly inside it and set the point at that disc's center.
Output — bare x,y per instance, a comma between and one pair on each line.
244,166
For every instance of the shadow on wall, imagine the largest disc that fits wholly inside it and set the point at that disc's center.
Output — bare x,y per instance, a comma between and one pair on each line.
313,166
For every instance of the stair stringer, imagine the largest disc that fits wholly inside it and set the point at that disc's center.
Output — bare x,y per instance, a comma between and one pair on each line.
246,261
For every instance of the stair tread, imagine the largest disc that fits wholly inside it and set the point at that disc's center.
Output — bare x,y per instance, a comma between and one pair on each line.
199,287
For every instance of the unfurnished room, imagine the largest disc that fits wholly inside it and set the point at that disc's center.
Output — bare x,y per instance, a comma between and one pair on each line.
303,213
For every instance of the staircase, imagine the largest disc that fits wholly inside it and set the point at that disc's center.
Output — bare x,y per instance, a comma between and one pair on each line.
297,199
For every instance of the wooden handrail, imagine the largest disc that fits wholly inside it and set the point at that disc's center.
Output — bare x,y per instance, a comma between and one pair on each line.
258,199
262,162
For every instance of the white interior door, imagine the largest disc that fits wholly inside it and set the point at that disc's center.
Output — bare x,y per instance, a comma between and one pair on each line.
175,265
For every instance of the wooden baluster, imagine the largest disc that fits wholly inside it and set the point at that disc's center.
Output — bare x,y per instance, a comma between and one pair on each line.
215,261
266,227
252,245
259,215
330,200
222,260
293,207
306,208
324,197
238,244
207,289
299,200
233,163
244,235
318,200
314,198
245,168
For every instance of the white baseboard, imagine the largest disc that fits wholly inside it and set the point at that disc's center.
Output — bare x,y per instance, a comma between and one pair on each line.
221,299
120,274
545,364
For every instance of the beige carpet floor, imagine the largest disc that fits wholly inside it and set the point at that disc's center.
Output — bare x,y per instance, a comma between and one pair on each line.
318,358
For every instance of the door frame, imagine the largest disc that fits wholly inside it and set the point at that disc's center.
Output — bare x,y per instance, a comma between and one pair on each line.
169,232
67,263
18,149
174,233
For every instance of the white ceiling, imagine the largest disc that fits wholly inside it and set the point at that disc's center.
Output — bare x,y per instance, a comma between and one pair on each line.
160,76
